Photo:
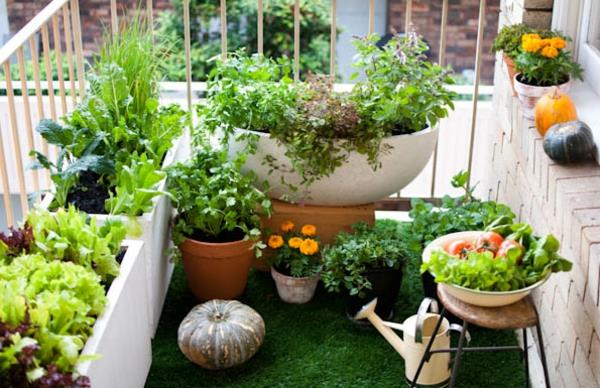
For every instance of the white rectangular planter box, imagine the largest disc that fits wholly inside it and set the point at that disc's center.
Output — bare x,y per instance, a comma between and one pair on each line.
156,238
121,334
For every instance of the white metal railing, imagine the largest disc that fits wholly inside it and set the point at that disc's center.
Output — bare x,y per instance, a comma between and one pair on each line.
69,88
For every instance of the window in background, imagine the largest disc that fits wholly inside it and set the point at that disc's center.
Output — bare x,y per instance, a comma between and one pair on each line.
593,37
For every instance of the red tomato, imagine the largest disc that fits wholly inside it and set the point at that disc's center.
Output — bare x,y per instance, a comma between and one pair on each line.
460,248
489,241
508,244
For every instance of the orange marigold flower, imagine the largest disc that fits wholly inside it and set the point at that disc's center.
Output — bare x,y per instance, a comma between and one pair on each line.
530,37
295,242
275,241
287,226
309,230
309,247
532,45
549,52
558,43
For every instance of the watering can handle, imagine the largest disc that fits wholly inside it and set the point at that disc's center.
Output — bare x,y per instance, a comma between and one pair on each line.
458,328
426,304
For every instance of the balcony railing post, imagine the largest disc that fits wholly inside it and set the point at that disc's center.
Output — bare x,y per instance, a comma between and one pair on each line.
480,31
76,23
223,29
10,218
48,67
408,18
114,18
14,128
441,60
260,26
371,16
69,44
27,112
333,40
59,65
297,40
188,63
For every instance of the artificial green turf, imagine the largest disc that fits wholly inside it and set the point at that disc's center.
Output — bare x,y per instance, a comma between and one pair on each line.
315,345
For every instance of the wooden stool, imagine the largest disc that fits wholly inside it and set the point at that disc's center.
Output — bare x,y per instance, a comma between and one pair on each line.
520,315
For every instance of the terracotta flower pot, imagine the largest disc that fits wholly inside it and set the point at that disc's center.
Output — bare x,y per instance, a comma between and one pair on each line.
512,71
295,290
529,94
217,270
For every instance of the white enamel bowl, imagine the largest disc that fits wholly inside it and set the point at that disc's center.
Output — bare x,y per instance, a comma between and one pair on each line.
470,296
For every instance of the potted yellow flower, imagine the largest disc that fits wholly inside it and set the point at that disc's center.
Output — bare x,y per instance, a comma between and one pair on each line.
543,63
296,264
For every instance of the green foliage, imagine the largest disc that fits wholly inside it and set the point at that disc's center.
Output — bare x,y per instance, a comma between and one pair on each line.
320,127
213,198
119,123
134,187
403,92
346,262
458,214
70,236
48,308
508,39
483,271
242,33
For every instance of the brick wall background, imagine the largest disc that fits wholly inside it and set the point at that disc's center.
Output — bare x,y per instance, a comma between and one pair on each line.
95,16
461,31
560,199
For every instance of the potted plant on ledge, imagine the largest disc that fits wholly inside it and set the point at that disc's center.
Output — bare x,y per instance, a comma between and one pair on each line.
544,63
366,264
508,42
317,145
217,226
296,262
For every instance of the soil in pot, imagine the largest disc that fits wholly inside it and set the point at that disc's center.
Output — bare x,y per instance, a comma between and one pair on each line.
292,289
89,194
217,270
386,286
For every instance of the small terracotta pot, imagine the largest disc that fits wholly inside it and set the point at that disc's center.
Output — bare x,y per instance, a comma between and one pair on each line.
529,94
295,290
217,270
512,71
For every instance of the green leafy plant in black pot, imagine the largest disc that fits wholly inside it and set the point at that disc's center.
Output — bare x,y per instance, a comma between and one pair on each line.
365,264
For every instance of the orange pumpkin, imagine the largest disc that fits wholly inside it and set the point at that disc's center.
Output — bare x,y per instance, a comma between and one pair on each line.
553,108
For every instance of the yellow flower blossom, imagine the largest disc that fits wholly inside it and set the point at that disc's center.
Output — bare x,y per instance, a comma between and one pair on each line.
530,37
558,43
309,230
309,247
287,226
295,242
532,45
549,52
275,241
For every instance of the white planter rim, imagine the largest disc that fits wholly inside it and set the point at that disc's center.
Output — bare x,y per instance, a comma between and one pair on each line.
303,278
417,133
521,86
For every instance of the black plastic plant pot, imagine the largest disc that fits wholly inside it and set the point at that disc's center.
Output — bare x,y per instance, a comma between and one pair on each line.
386,286
429,285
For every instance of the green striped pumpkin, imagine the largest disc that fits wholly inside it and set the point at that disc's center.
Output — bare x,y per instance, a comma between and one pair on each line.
221,334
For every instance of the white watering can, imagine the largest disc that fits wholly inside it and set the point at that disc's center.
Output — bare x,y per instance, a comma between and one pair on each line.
417,331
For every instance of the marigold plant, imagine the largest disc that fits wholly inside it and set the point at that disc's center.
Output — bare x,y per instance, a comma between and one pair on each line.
543,60
296,253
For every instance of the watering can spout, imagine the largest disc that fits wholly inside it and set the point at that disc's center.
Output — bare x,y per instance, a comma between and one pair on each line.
368,312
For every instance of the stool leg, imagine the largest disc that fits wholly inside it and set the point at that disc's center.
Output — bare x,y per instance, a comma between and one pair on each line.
543,354
459,350
526,357
426,354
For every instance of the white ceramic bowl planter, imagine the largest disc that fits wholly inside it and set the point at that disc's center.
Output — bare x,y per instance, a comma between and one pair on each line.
121,334
468,295
155,234
353,183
